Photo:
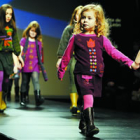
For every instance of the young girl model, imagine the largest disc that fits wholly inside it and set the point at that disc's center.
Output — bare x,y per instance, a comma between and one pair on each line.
32,39
88,43
67,33
9,44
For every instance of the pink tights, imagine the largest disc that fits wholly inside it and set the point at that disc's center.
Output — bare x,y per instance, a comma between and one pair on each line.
88,101
1,80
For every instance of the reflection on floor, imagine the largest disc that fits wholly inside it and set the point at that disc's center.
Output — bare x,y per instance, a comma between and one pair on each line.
53,121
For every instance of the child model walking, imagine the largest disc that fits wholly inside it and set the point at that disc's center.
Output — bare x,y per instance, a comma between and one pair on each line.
67,33
88,43
9,44
31,46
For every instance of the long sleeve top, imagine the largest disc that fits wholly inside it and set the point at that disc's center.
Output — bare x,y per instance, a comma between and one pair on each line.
9,41
88,53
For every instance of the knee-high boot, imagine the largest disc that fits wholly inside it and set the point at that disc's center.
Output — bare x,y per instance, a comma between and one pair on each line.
38,99
22,99
17,94
89,119
2,102
82,123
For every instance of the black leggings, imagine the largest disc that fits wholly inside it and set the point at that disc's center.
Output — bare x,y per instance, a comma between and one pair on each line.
16,83
26,80
5,83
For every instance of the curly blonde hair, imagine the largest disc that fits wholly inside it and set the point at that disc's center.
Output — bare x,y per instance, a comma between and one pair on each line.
36,25
102,24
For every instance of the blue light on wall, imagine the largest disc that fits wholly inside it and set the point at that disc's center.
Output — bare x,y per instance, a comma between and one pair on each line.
49,26
4,1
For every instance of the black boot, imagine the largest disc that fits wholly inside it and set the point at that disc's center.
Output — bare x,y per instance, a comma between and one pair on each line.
82,123
22,99
38,99
89,118
9,96
16,94
4,96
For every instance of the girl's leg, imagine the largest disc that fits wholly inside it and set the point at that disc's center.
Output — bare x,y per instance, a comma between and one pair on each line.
9,89
88,101
88,115
27,93
1,100
16,82
5,83
73,90
24,83
3,89
35,79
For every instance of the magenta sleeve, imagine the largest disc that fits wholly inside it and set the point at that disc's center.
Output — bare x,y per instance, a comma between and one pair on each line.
114,53
66,58
22,41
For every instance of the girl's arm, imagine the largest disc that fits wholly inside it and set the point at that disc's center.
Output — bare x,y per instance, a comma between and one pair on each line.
20,57
40,49
64,41
16,63
66,58
117,55
58,62
16,44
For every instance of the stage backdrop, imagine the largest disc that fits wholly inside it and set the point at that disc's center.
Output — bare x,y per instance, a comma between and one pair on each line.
53,16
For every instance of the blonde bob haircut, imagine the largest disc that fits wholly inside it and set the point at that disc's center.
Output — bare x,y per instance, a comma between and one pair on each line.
33,24
102,25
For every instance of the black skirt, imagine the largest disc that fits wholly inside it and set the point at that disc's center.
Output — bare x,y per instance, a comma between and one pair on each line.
92,86
6,62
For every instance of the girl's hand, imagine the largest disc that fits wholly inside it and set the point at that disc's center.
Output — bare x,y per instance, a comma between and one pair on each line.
15,69
135,65
21,61
58,62
19,66
60,79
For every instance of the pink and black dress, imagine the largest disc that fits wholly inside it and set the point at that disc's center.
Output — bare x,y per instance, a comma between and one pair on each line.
89,67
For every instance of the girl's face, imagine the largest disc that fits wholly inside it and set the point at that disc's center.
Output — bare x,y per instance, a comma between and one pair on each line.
88,21
8,15
32,32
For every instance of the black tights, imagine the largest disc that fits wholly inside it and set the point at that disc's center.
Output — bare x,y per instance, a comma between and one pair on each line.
5,83
16,83
26,80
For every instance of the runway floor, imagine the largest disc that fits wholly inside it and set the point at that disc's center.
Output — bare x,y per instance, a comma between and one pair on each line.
53,121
